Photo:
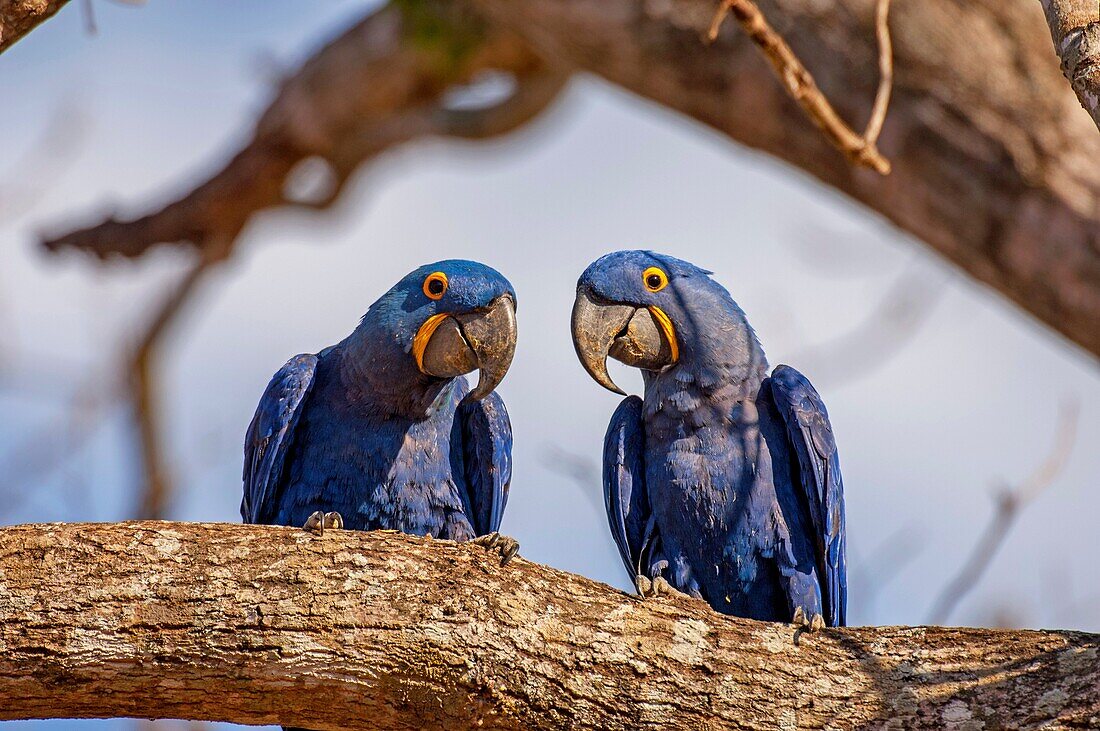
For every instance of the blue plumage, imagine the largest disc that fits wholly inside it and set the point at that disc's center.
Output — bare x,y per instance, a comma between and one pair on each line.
368,429
721,480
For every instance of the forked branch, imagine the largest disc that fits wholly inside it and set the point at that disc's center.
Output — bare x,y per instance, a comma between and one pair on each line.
861,149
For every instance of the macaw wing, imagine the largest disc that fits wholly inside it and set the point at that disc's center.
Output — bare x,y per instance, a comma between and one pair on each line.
487,459
820,481
269,435
624,489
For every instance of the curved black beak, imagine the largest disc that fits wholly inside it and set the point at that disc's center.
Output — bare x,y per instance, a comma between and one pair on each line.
491,334
450,345
629,334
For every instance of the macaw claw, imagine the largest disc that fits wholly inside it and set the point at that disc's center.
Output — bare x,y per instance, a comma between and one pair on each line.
319,521
803,624
649,588
507,546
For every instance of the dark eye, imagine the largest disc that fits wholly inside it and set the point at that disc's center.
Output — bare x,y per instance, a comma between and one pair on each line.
654,279
435,285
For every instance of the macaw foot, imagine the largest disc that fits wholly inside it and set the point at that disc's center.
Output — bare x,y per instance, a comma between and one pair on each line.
805,624
507,546
320,521
649,588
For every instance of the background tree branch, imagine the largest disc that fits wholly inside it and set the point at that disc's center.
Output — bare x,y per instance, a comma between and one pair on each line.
993,160
374,630
1075,30
20,17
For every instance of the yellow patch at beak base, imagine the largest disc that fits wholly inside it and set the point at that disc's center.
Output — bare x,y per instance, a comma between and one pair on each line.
424,334
665,323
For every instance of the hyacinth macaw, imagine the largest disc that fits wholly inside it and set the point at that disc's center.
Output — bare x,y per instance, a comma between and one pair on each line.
382,431
723,481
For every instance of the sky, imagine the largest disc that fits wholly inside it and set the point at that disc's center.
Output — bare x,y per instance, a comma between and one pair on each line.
933,411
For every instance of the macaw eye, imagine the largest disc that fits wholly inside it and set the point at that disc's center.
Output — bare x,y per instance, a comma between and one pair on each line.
655,279
435,285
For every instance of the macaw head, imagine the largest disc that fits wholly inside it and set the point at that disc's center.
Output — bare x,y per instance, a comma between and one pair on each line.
441,321
655,312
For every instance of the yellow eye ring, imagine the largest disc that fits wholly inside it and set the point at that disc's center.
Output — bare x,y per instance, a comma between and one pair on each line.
435,285
654,279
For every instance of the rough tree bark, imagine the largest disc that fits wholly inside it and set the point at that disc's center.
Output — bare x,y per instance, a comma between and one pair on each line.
1075,29
994,160
385,631
20,17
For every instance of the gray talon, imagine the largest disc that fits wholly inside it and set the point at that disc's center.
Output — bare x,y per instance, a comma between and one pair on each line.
506,546
654,587
803,625
315,524
320,521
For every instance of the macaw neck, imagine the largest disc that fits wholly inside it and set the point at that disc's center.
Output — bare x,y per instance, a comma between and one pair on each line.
379,376
721,358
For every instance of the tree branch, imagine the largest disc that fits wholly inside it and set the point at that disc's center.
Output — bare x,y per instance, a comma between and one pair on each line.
386,631
20,17
1010,503
993,167
1075,30
381,84
800,84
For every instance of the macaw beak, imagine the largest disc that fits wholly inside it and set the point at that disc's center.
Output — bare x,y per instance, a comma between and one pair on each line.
642,337
452,344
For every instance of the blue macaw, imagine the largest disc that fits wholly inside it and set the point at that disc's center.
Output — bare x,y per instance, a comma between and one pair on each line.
382,431
723,482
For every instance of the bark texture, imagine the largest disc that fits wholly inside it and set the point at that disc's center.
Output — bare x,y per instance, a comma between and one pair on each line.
994,159
387,631
1075,29
19,17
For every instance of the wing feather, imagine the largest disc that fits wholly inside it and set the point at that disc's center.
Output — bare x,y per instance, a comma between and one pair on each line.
487,459
625,497
811,435
269,435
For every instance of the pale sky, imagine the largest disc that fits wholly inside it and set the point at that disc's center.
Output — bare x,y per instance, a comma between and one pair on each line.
927,422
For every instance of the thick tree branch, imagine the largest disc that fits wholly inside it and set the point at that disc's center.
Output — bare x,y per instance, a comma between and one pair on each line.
385,631
1075,29
20,17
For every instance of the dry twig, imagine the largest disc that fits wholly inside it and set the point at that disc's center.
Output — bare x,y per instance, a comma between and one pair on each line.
800,84
1010,502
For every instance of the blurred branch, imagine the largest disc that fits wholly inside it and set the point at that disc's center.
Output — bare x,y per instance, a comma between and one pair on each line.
581,471
38,168
41,451
800,84
20,17
157,482
990,167
1075,30
1010,502
888,326
381,84
890,558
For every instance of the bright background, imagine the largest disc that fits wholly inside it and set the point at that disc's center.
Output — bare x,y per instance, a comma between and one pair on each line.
939,390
